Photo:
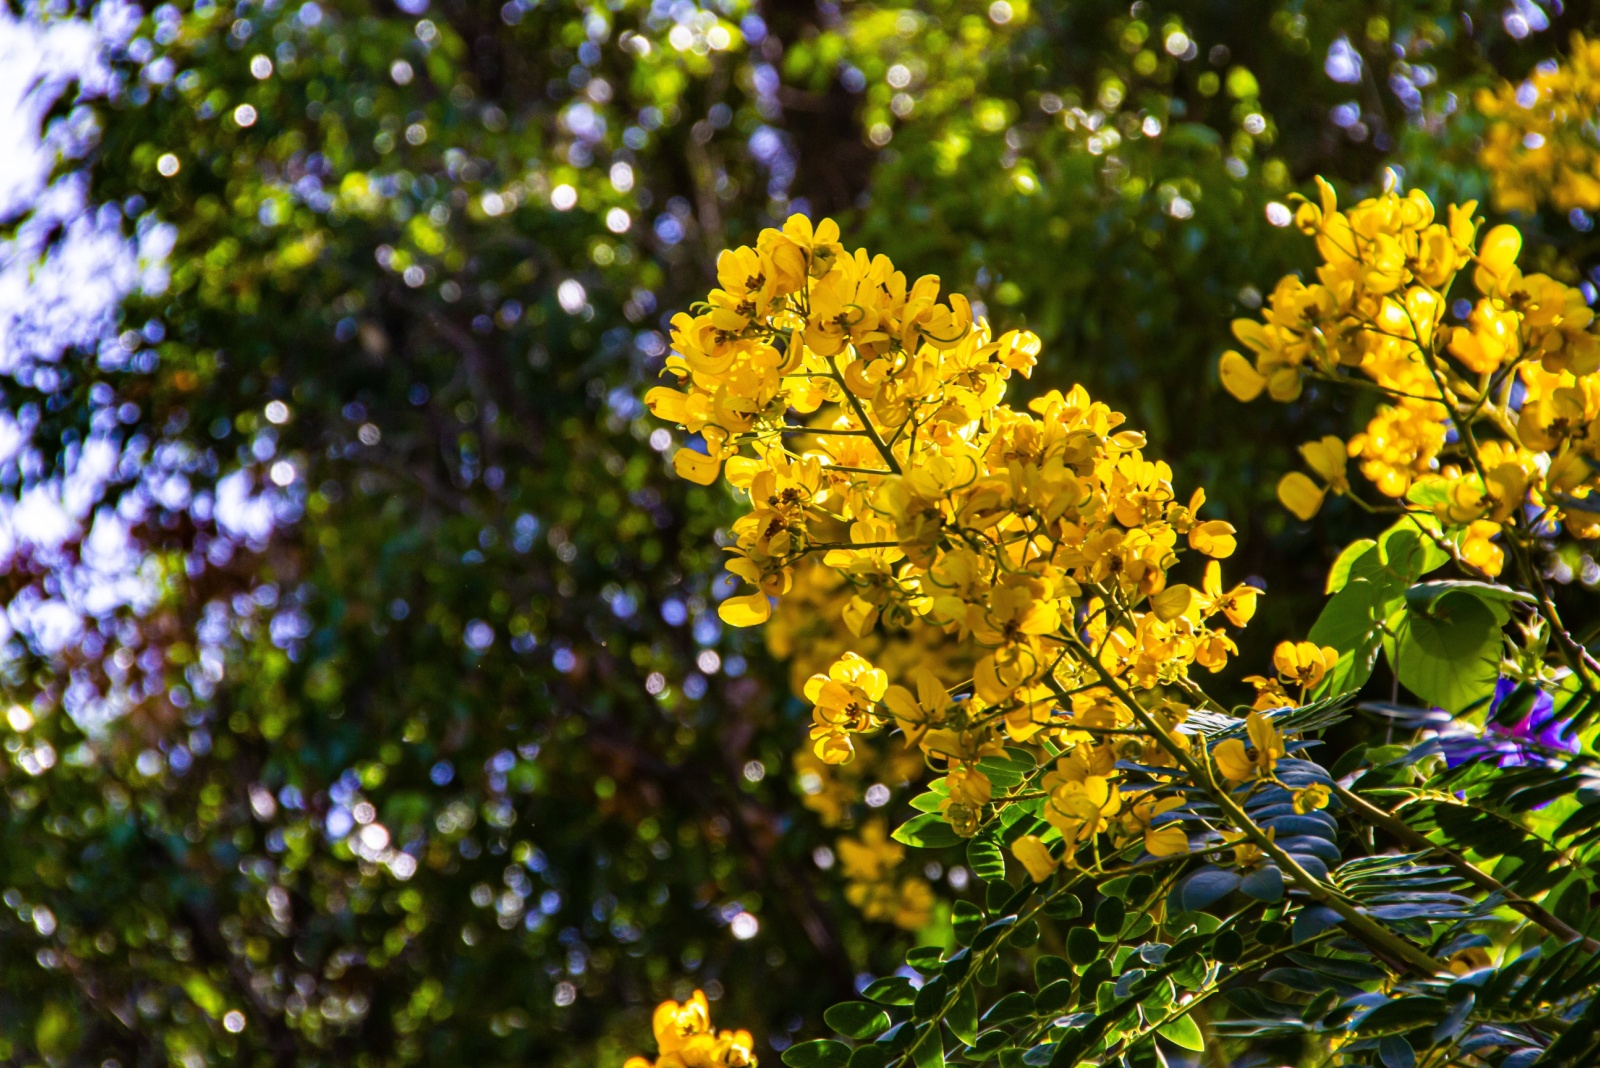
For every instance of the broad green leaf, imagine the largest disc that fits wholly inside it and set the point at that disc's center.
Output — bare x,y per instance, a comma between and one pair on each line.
929,1050
1451,656
1424,595
1410,550
1183,1032
985,858
1109,916
818,1053
1349,623
891,990
1082,946
856,1019
1013,1006
1354,554
962,1016
927,831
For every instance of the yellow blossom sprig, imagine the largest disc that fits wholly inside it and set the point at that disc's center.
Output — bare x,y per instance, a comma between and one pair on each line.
1515,386
686,1039
1489,431
861,417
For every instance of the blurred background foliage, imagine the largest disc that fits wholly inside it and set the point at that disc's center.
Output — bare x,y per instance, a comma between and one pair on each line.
408,731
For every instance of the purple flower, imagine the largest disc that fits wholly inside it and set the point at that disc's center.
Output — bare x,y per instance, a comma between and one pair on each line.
1538,739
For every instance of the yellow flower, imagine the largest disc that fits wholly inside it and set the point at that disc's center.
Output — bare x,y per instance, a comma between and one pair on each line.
891,494
1238,605
1311,797
914,715
1328,458
1169,839
846,700
685,1039
1303,663
1082,797
1238,761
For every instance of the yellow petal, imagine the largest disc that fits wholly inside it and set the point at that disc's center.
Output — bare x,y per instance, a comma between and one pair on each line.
666,403
1239,377
1500,248
1232,761
1214,538
1035,856
1166,841
1172,602
746,611
1300,495
860,615
696,466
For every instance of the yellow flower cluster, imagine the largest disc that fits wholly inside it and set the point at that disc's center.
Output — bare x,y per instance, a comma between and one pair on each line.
684,1039
1541,144
861,418
871,865
804,631
1480,420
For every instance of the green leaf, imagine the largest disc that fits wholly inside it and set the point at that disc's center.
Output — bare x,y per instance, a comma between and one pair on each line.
1026,934
927,831
962,1016
1183,1032
1349,623
818,1053
1047,969
856,1019
965,919
1013,1006
1109,916
1009,770
986,937
1407,549
929,1050
1450,657
1402,1014
1055,997
1082,946
872,1056
1356,551
985,858
891,990
1425,594
1064,907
